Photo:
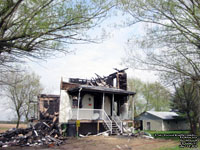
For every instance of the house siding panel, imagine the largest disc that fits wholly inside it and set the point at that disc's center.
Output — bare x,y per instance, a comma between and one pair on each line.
175,125
154,125
65,111
107,105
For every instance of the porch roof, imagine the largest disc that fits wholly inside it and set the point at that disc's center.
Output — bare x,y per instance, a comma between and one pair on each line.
101,89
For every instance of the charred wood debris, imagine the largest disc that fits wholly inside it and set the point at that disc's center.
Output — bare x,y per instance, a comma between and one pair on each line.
106,81
44,132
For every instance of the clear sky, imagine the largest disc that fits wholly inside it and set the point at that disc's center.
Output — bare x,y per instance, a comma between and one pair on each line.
87,60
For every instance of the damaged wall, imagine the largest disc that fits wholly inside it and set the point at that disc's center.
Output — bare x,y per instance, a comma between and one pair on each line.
48,105
107,105
124,111
88,101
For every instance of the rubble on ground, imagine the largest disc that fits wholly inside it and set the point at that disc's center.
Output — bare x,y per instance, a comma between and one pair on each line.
140,134
44,132
129,133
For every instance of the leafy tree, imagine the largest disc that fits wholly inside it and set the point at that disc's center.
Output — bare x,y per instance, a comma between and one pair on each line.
149,96
171,41
157,97
170,45
21,92
39,28
186,101
137,85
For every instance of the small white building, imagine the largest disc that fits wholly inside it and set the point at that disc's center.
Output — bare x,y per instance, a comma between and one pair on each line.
162,121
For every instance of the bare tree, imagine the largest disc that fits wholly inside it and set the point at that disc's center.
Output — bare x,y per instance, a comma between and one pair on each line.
26,87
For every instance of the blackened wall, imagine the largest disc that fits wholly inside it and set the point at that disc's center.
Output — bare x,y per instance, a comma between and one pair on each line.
85,128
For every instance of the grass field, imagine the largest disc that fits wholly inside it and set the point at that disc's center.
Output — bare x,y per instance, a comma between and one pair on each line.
5,126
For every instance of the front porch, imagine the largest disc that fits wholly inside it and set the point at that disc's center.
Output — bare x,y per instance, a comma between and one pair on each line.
113,101
99,118
107,106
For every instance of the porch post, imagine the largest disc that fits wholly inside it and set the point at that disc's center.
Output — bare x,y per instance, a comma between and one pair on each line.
103,101
113,98
129,108
132,107
79,97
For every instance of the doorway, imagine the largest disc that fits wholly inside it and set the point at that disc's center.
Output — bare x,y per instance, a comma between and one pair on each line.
148,126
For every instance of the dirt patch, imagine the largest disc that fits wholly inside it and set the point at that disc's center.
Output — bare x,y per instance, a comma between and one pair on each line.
117,143
4,127
107,143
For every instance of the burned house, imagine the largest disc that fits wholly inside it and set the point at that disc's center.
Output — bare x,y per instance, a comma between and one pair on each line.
99,104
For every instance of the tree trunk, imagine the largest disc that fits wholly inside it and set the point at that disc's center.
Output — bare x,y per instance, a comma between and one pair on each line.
191,124
194,129
26,117
18,120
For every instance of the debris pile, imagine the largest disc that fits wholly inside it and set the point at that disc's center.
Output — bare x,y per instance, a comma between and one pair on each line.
42,133
139,134
143,135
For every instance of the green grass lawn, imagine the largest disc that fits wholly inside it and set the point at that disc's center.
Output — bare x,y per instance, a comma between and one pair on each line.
171,135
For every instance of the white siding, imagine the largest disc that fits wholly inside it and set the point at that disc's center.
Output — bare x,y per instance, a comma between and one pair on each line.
65,110
88,101
154,125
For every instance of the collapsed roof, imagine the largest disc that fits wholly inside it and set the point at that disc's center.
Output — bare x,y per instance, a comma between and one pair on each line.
115,83
107,81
